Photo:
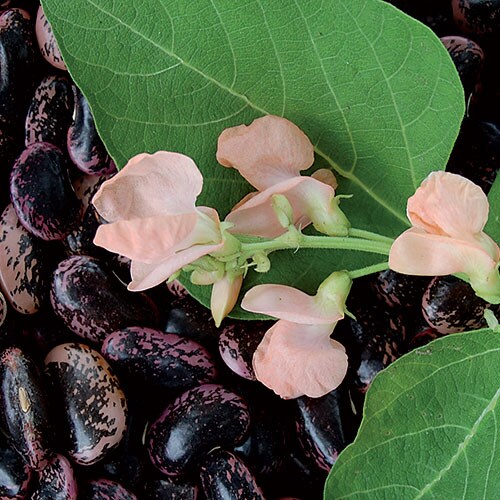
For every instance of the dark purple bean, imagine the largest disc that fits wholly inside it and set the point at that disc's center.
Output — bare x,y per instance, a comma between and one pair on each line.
56,481
298,478
265,447
46,41
450,305
93,406
161,489
42,194
104,489
128,463
325,426
15,473
49,114
197,421
225,476
468,58
238,342
188,318
93,303
476,153
400,289
80,241
25,407
376,337
477,16
17,57
157,358
24,272
84,144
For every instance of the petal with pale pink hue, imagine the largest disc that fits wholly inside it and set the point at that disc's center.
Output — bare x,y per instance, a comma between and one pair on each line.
224,296
146,276
149,185
256,217
150,240
269,150
448,204
288,303
204,238
422,254
295,360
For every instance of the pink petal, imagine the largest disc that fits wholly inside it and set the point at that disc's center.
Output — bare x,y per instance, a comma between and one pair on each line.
149,240
146,276
224,296
268,151
326,176
149,185
307,196
295,360
448,204
288,303
422,254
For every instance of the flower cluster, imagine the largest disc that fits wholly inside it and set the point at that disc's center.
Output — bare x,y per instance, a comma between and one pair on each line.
152,218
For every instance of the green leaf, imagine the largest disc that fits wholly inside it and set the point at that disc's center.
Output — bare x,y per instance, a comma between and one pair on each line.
430,426
375,91
493,226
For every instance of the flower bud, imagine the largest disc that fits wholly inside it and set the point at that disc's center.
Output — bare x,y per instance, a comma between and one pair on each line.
330,220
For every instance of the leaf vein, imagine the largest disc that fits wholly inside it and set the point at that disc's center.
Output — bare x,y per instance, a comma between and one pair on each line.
462,446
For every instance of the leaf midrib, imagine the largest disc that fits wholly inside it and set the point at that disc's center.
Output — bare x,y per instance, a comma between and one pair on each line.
335,166
461,447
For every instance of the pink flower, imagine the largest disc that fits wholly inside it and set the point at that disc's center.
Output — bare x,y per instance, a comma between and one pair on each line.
448,214
269,154
152,218
297,356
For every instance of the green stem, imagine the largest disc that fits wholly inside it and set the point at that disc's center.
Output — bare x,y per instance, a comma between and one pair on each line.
376,268
368,235
298,240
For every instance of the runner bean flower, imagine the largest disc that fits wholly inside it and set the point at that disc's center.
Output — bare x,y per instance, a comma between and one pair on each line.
297,356
152,218
448,214
269,154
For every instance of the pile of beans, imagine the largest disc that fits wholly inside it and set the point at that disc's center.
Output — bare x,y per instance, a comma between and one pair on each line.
106,393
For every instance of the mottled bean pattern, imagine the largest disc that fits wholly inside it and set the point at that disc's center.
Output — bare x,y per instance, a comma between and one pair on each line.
91,400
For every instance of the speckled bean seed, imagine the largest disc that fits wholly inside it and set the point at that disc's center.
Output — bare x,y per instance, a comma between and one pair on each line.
157,358
23,265
224,475
56,481
197,421
42,193
92,302
46,41
90,399
24,407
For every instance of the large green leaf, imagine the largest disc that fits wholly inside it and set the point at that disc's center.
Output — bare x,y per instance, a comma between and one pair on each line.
430,426
375,91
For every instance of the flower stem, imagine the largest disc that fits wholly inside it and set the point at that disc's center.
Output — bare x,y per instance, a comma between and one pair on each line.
368,235
298,240
375,268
